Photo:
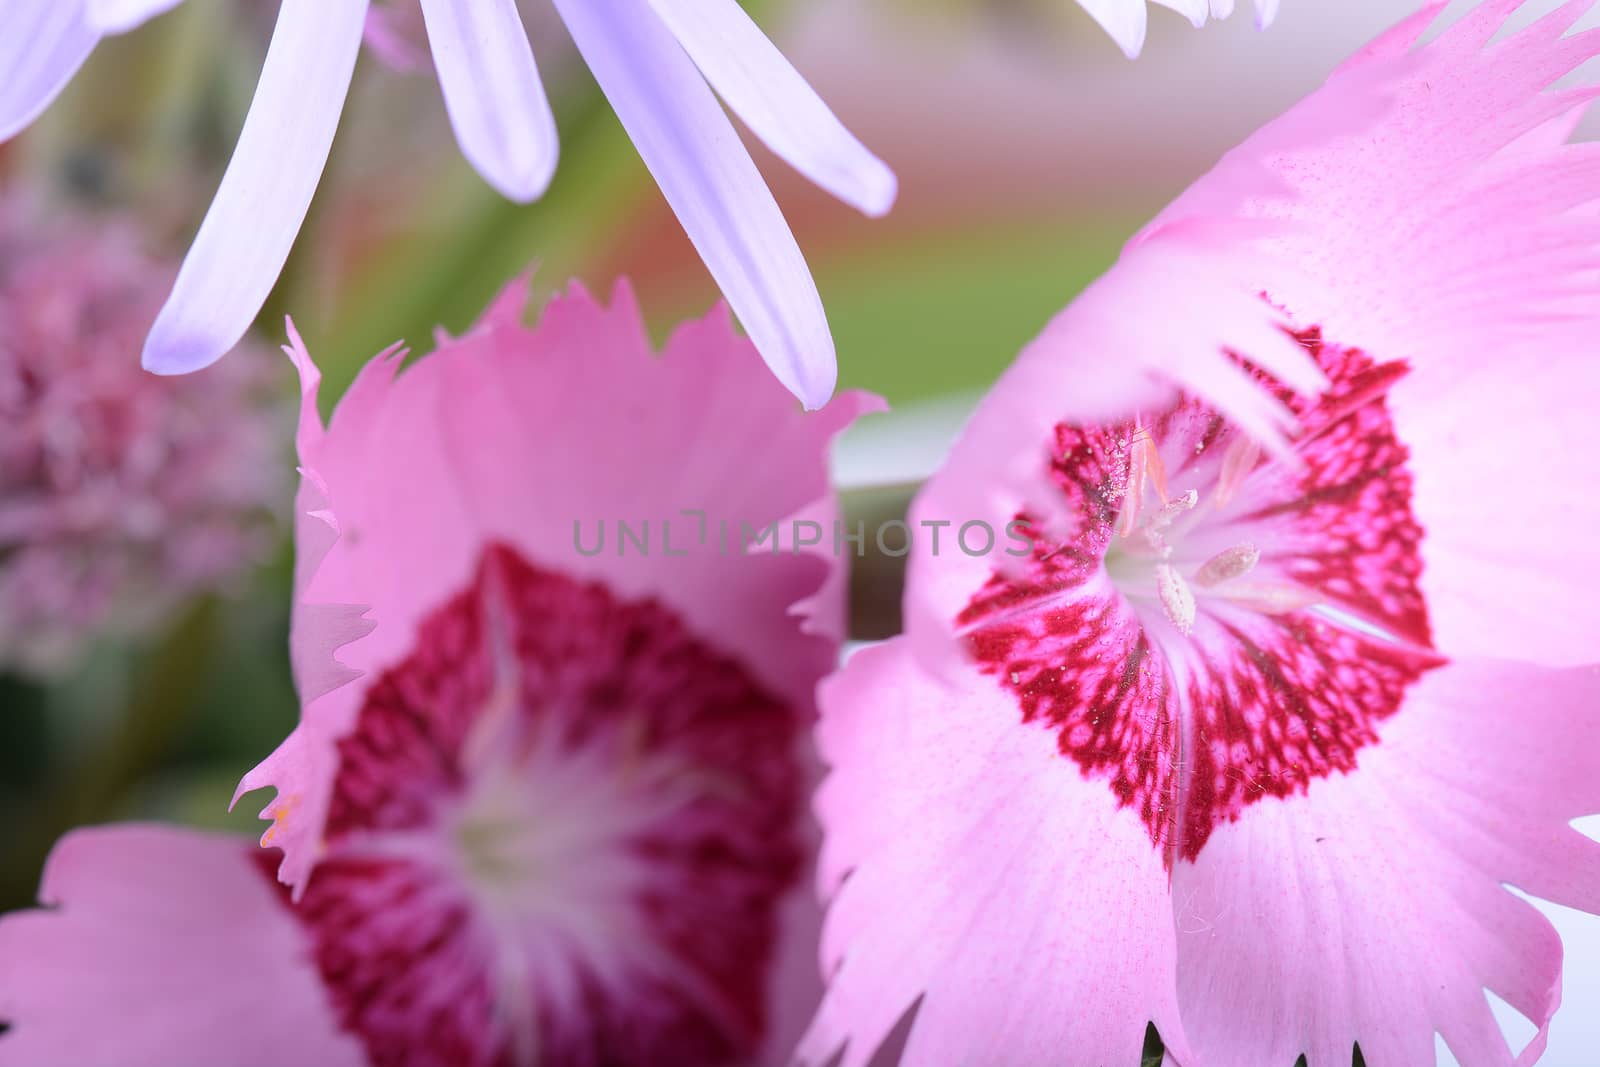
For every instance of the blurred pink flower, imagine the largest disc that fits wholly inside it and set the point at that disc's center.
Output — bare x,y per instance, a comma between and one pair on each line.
662,64
121,494
545,805
1300,675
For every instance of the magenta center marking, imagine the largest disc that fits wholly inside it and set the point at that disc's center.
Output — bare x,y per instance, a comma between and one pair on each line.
559,834
1210,629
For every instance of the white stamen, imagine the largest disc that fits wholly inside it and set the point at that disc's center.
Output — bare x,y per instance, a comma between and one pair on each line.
1176,507
1269,598
1177,599
1150,537
1228,564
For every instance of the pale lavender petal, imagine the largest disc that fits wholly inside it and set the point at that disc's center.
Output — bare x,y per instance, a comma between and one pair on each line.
491,89
1195,11
762,88
1124,20
43,44
1266,12
247,234
120,16
691,147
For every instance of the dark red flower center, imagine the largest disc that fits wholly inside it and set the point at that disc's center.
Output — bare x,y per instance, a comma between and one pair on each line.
1204,628
558,836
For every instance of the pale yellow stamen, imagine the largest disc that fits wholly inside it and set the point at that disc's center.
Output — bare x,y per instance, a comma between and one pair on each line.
1145,467
1228,564
1237,462
1269,598
1177,599
1166,516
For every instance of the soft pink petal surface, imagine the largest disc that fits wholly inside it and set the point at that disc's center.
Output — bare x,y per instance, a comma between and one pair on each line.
1372,909
974,871
161,948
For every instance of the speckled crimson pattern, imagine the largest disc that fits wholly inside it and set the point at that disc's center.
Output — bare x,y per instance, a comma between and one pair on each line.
1352,503
1188,731
1087,670
652,831
1291,699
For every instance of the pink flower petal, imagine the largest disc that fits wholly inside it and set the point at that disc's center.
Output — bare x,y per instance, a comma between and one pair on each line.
44,44
762,88
493,94
1509,579
246,236
794,980
1372,908
709,179
531,437
972,868
320,630
161,947
1390,247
